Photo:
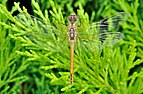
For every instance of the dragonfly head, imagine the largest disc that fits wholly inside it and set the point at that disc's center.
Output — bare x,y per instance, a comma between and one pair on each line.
72,18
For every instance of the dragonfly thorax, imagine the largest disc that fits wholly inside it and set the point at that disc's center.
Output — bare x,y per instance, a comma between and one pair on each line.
72,33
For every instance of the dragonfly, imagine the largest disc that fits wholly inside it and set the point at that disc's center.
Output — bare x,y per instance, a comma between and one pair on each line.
95,37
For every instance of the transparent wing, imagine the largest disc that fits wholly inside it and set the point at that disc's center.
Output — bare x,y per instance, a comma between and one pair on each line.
46,36
40,34
94,43
37,25
110,23
102,33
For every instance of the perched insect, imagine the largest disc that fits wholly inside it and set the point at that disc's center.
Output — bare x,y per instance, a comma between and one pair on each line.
95,37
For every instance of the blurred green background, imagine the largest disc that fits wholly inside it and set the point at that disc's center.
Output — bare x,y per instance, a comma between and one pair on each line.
26,69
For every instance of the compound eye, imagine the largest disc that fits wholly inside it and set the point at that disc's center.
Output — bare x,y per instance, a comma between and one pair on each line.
72,18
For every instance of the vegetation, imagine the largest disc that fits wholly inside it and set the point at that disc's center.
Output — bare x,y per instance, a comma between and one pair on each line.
28,65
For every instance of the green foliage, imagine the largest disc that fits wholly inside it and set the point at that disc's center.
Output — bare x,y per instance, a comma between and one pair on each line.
11,64
38,63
